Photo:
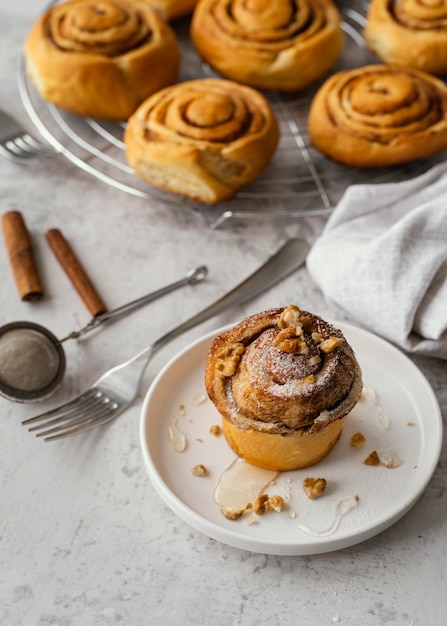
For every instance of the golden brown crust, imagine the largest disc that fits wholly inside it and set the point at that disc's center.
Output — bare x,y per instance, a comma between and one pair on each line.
279,453
101,58
173,9
257,381
379,115
203,139
281,45
409,33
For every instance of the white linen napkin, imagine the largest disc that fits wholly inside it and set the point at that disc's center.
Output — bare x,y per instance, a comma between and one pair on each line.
382,257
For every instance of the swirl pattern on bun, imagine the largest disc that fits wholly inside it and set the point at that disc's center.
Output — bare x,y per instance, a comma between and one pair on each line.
283,45
101,58
284,381
379,115
203,139
409,32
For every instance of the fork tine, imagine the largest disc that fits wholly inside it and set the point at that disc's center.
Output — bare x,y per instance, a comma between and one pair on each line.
82,405
13,152
80,418
26,147
23,147
85,423
63,408
17,144
9,154
32,144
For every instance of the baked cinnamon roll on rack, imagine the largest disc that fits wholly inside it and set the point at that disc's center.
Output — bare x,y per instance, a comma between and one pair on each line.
101,58
171,10
202,139
281,45
379,115
284,381
409,32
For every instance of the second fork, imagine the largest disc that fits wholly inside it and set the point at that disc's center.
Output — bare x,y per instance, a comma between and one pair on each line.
16,144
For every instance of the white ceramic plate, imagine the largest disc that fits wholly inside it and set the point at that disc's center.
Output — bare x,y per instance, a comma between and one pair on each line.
399,416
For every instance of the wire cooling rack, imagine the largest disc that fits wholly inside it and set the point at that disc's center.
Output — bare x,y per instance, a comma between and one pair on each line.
299,182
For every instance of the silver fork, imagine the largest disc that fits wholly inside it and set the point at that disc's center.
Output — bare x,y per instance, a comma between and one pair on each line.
16,144
115,390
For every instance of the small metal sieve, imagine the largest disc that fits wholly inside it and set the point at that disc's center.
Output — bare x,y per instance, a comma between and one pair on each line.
32,359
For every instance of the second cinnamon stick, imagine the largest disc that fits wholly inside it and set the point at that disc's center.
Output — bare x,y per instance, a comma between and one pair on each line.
75,271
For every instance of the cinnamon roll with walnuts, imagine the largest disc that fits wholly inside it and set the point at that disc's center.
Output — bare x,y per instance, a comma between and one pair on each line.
101,58
379,115
409,32
282,45
284,381
202,139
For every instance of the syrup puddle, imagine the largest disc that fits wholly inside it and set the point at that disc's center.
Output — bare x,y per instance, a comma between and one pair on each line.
198,399
343,507
369,394
242,483
175,435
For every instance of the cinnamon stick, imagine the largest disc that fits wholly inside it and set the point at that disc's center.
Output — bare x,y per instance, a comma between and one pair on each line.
75,271
20,251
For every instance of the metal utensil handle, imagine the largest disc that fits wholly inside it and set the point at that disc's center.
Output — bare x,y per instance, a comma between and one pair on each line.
191,278
288,258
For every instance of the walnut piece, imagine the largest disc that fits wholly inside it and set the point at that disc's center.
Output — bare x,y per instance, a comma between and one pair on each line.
385,459
276,503
289,340
228,359
309,380
290,317
307,323
358,440
199,470
314,487
314,360
232,512
328,345
262,504
317,337
372,459
266,503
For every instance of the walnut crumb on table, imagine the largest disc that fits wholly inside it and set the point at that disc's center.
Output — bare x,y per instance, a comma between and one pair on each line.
215,430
